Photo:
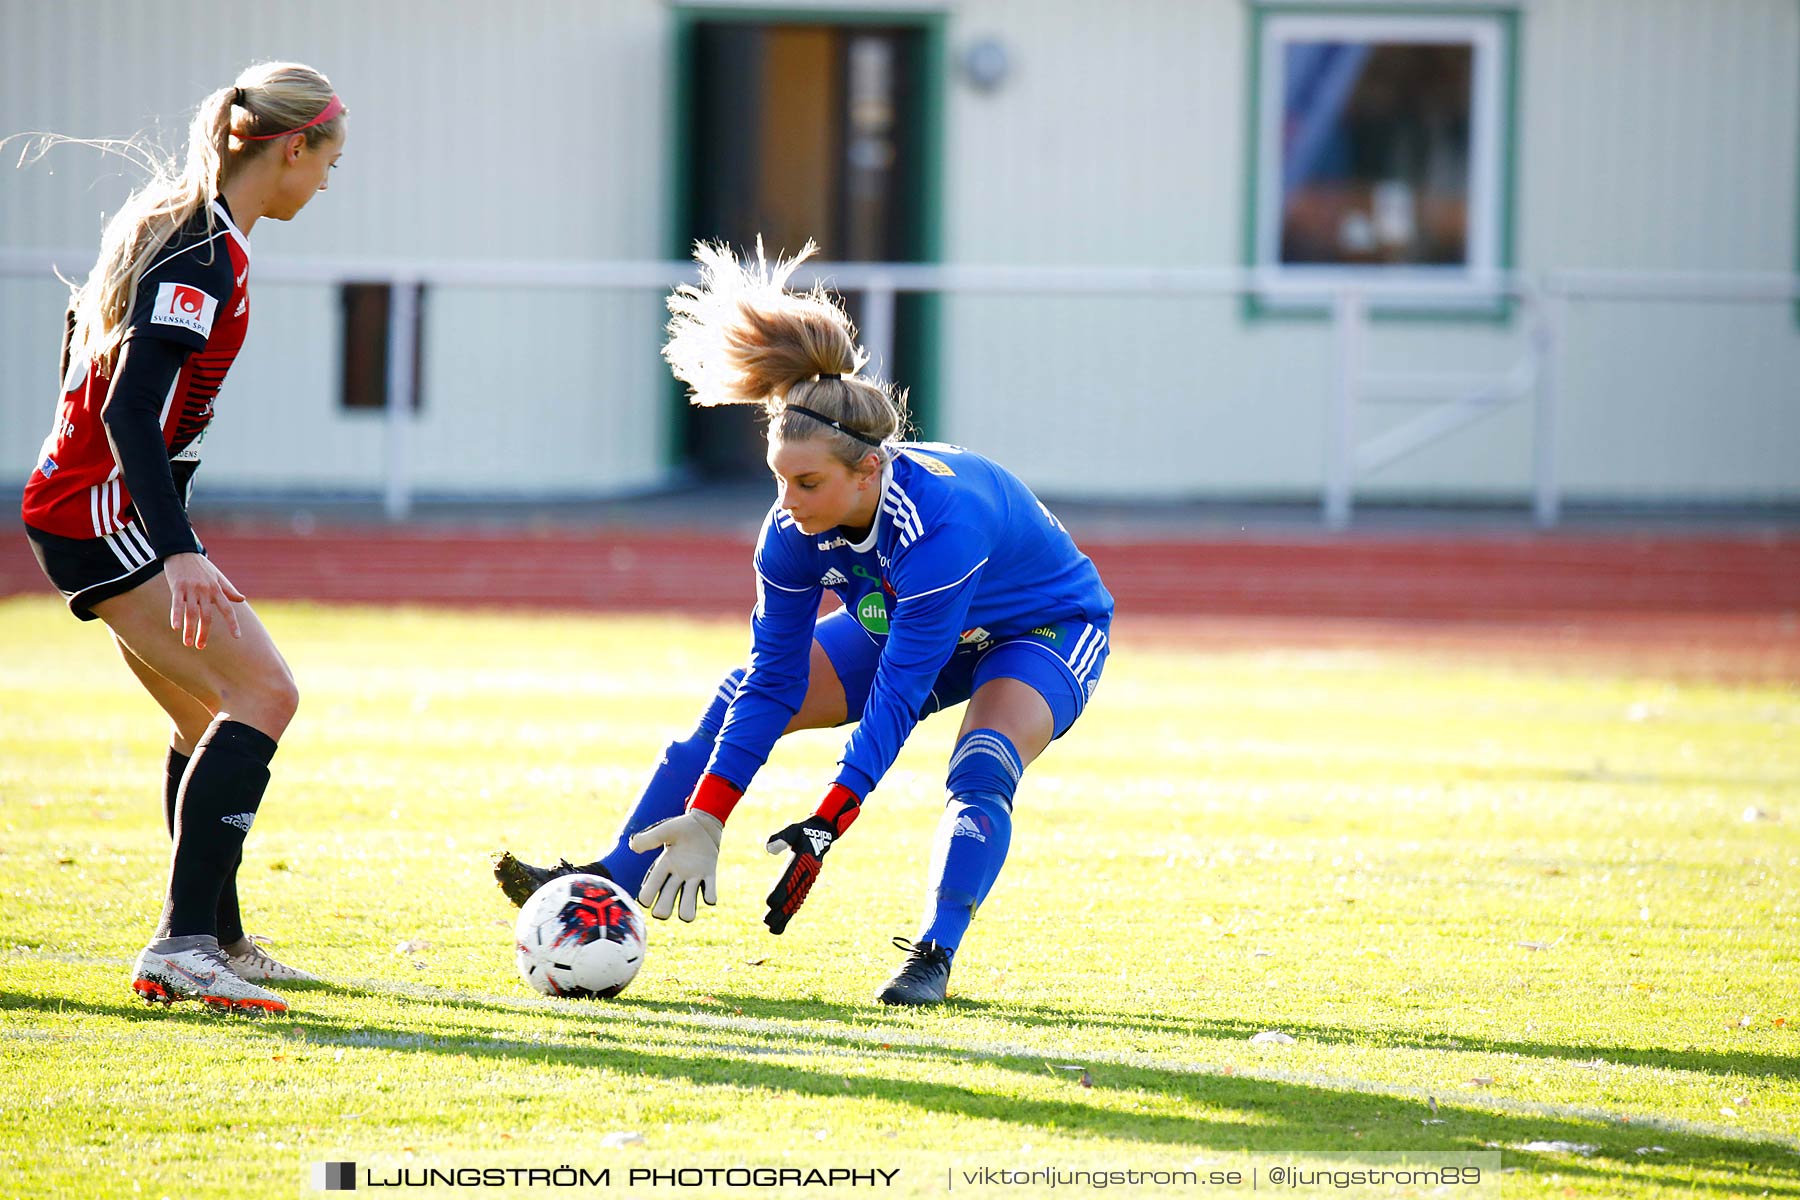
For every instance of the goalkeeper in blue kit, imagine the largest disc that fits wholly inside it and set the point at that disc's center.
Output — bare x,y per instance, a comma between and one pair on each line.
957,585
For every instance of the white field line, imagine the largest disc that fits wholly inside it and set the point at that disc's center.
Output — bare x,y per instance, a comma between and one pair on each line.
876,1036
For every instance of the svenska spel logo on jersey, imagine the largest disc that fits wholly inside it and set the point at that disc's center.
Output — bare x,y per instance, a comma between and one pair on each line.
184,307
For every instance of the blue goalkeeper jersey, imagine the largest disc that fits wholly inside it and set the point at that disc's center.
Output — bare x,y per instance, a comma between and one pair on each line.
960,553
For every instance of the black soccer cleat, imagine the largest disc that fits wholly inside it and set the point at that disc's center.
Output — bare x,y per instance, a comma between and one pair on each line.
922,979
520,880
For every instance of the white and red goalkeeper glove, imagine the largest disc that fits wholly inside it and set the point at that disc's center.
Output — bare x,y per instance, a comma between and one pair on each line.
688,868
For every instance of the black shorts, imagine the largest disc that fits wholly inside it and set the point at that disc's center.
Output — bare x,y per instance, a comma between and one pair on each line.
89,570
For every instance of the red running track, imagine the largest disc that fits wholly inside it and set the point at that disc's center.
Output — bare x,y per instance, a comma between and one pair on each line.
1472,578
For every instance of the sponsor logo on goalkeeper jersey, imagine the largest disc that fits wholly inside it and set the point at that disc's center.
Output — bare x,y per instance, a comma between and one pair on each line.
936,466
872,613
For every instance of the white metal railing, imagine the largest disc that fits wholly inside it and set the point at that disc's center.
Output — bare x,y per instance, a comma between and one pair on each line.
1455,400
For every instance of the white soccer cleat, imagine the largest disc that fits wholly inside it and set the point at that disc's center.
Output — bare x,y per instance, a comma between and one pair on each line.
200,972
257,963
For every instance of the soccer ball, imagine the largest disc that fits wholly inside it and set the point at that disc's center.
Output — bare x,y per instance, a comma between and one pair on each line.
580,935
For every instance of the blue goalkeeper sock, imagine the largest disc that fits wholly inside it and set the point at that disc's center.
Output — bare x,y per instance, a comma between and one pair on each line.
666,795
973,834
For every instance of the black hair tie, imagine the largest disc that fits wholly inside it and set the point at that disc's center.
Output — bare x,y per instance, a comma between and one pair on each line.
864,438
237,97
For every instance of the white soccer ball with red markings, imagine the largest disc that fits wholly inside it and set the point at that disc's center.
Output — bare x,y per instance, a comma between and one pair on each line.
580,935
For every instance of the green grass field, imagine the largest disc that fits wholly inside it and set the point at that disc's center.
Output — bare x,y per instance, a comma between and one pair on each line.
1357,849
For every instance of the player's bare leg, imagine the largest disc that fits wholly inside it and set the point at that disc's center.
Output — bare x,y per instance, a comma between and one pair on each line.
245,688
242,678
188,722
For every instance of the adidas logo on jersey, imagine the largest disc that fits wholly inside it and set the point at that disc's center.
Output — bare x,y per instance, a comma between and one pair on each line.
241,821
966,827
833,578
242,308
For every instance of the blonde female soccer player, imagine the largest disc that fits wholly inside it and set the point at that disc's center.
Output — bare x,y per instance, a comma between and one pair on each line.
149,338
957,584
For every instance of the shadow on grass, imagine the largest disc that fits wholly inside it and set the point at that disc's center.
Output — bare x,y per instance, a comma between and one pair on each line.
1227,1029
1234,1030
802,1011
1217,1112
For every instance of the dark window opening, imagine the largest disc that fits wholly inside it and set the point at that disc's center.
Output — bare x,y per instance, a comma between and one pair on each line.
1376,153
365,341
797,131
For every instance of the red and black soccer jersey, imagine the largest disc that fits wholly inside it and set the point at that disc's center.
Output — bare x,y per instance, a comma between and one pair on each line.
192,295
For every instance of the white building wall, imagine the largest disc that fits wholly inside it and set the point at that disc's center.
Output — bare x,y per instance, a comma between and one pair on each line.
533,131
1663,135
1652,134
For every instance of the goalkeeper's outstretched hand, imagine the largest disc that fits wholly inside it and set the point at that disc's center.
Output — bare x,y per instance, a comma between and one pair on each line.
688,867
809,840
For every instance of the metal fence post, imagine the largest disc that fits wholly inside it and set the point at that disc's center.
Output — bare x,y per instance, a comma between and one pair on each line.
1348,314
1553,317
878,325
403,332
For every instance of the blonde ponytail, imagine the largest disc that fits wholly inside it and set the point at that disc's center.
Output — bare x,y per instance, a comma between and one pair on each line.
270,97
740,337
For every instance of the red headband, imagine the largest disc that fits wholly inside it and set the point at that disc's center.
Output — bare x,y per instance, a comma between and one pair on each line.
331,110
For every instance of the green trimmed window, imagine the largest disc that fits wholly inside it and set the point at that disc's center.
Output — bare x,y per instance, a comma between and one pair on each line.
1381,148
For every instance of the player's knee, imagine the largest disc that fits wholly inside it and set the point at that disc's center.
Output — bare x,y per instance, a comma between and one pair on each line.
267,702
822,709
286,696
184,736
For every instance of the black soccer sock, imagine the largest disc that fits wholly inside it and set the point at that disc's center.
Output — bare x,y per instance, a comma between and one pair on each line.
231,923
216,808
230,920
173,769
